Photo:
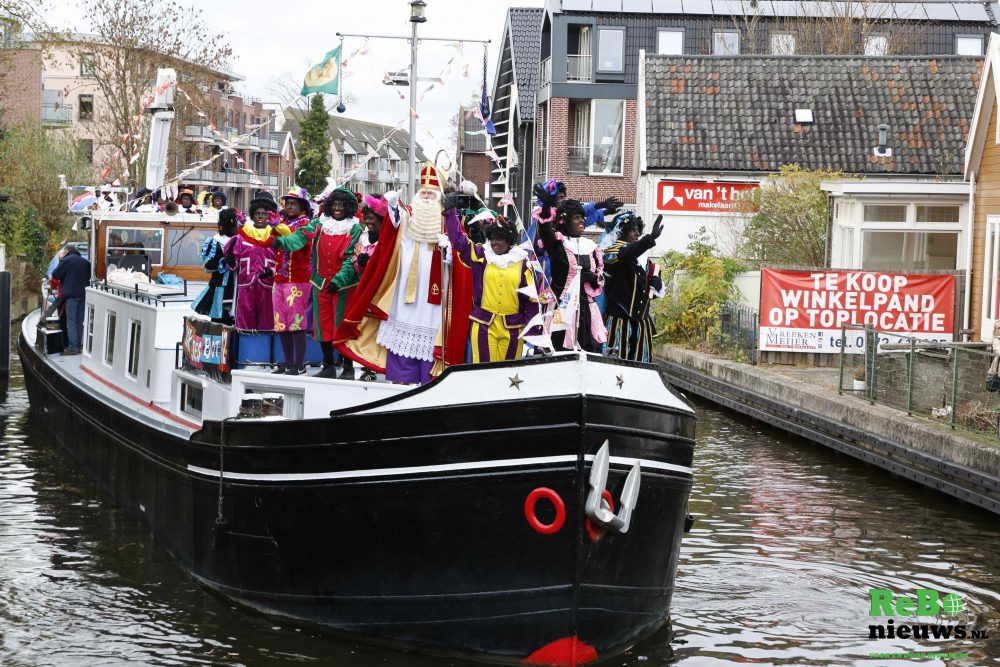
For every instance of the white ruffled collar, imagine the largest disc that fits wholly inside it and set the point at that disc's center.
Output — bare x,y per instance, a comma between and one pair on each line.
222,239
512,256
336,227
579,245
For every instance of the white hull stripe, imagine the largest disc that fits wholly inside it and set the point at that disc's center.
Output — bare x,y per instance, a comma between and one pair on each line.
444,467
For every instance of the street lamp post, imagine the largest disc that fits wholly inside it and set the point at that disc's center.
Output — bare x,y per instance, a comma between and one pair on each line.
417,9
416,17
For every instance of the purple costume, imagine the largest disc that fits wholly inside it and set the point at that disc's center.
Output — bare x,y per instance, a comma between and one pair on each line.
254,309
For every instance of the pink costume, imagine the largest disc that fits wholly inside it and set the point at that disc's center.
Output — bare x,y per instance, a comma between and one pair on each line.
254,285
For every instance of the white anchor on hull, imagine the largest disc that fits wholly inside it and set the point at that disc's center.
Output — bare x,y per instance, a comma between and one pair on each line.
596,508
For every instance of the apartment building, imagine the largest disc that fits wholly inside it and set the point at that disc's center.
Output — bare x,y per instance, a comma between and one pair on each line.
586,114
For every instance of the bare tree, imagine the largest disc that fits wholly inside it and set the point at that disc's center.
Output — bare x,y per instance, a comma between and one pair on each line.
285,89
127,41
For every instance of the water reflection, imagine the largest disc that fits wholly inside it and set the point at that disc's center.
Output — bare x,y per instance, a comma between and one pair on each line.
789,539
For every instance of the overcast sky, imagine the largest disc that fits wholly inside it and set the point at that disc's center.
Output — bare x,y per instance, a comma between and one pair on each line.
270,39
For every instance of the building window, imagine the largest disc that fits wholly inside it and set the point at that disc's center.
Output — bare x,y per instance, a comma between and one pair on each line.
90,330
87,65
726,43
85,107
937,213
578,154
670,41
969,45
134,344
876,45
782,44
991,288
907,251
611,49
109,339
191,398
607,137
885,213
86,149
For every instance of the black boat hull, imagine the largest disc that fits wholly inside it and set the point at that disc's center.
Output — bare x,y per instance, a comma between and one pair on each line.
421,528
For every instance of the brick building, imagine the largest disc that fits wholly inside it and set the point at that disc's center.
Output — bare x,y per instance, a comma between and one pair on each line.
586,115
470,153
21,88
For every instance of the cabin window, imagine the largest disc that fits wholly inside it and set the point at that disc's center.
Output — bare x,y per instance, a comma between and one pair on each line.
90,330
134,343
124,241
885,213
263,401
109,339
937,214
184,247
191,398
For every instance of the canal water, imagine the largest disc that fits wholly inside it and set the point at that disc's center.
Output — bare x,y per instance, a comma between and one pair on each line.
788,542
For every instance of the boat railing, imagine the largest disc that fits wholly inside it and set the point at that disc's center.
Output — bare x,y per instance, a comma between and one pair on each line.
141,295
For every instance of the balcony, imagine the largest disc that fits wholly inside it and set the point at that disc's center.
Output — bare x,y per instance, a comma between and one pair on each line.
195,132
578,68
235,178
200,133
545,75
57,114
578,160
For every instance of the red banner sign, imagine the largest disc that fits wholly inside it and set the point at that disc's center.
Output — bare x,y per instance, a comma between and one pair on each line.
803,311
702,197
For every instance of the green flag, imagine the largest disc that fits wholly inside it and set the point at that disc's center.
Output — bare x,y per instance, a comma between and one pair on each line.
325,77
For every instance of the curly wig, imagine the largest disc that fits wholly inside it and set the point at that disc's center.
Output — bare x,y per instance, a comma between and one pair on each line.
627,225
501,229
349,199
565,213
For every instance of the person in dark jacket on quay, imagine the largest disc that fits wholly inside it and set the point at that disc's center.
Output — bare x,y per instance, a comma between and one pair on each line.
73,274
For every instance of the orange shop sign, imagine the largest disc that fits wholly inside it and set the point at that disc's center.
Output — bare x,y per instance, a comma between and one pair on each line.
703,197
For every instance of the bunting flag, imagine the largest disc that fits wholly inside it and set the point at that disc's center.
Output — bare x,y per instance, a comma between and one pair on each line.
324,77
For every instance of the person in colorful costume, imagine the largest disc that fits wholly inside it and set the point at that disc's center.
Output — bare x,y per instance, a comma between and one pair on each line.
254,268
629,282
373,211
408,320
577,274
332,239
292,295
502,282
216,300
185,201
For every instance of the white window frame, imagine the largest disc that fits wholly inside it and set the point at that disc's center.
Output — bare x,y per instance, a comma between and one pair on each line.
88,347
134,347
978,38
870,45
911,225
660,31
991,271
788,38
186,386
728,31
593,142
610,28
109,338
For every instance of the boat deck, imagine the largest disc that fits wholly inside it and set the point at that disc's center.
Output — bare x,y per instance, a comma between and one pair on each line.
156,413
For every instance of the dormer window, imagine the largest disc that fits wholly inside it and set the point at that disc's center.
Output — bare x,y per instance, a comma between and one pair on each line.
611,50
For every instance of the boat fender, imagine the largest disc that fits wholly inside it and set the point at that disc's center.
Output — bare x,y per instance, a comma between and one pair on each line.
221,533
688,523
557,502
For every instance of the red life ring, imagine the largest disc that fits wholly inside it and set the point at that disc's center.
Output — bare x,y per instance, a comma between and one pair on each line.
552,497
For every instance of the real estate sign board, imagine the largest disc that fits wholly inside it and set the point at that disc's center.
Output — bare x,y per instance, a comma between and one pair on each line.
703,197
804,311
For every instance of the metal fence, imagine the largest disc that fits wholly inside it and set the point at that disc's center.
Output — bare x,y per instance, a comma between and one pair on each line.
738,332
946,382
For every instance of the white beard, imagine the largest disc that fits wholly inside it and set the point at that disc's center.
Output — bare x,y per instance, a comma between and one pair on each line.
425,221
